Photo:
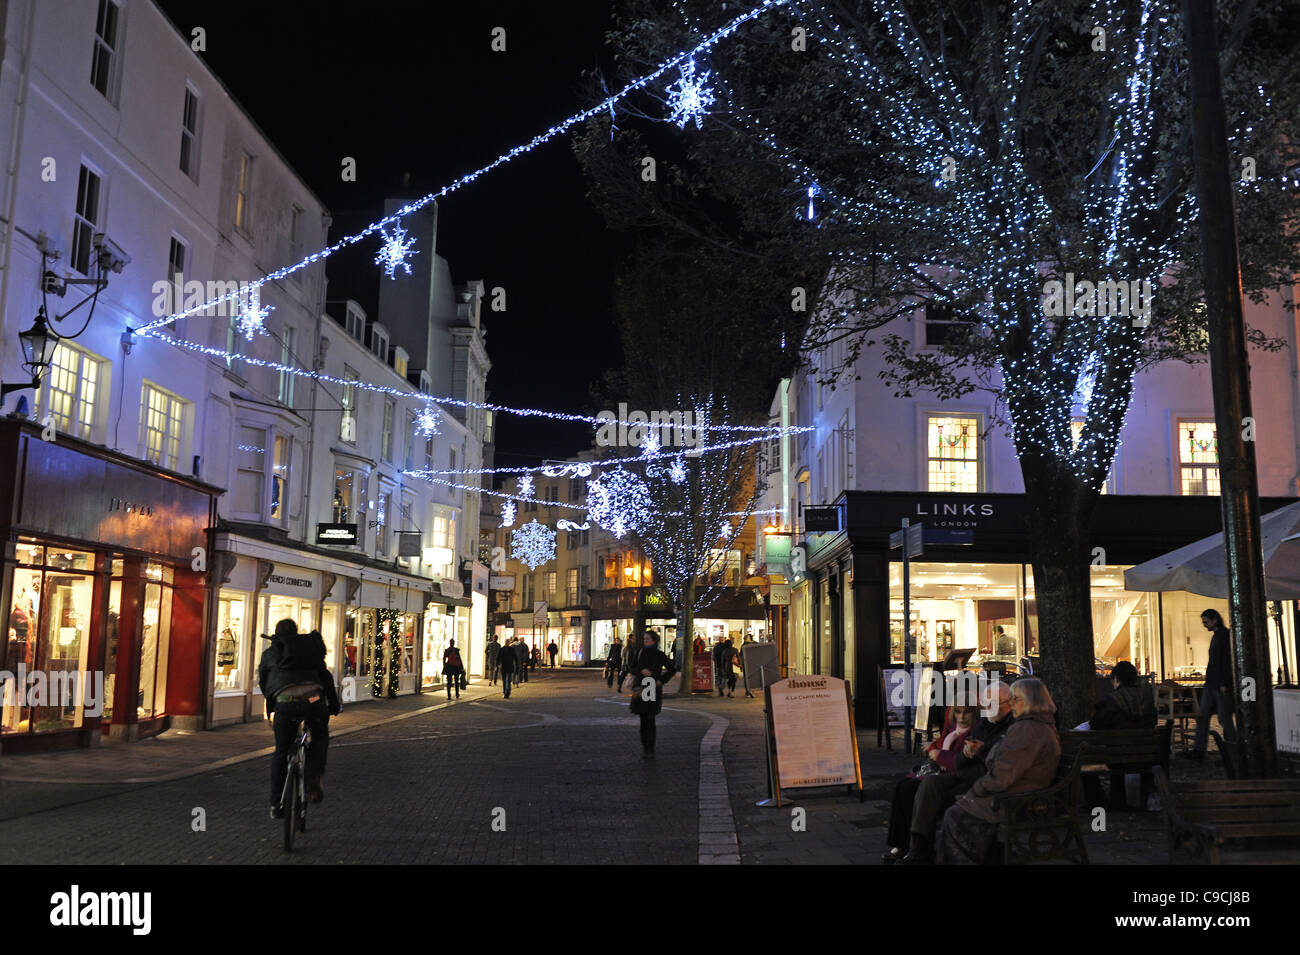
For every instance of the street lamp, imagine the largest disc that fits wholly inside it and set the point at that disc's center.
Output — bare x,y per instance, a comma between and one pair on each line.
38,344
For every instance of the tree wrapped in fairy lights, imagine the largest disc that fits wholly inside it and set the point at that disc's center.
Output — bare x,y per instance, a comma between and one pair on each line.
979,160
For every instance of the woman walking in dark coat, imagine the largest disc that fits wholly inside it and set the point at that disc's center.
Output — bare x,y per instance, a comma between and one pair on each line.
653,670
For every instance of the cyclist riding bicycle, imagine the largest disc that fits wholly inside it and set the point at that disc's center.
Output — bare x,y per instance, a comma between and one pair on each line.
297,686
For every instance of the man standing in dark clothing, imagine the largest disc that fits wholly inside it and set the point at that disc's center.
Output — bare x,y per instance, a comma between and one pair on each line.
297,686
551,651
508,661
1217,695
493,660
522,656
937,793
614,664
718,649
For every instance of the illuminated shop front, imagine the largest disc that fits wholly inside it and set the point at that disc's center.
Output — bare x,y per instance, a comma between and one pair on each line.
973,587
104,611
738,613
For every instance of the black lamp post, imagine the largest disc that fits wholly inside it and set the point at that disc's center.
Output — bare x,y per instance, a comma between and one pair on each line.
38,344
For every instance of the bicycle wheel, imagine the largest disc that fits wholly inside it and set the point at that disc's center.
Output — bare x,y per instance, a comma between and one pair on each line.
291,800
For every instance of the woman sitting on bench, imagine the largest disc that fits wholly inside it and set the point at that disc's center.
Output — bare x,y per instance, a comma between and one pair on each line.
1024,759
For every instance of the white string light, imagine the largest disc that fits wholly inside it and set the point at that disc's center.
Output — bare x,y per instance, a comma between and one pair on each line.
707,43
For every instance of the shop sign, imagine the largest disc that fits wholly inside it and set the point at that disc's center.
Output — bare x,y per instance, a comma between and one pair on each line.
776,553
821,520
290,582
451,588
1286,714
337,534
779,595
502,582
408,543
133,508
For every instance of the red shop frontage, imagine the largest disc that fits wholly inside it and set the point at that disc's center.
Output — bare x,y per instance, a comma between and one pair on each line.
104,609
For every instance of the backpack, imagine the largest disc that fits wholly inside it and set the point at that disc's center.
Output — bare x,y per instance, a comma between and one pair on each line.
302,651
453,659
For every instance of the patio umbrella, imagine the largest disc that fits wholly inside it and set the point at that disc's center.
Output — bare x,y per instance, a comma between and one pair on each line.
1201,568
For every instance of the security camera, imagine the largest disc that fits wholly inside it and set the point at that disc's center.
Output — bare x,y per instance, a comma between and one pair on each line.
112,257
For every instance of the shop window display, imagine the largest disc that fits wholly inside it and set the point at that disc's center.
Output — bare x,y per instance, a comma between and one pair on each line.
49,621
232,642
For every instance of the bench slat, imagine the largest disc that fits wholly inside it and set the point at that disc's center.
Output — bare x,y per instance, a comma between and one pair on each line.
1241,830
1290,815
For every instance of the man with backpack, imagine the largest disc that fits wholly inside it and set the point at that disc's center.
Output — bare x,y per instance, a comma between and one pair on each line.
452,668
297,686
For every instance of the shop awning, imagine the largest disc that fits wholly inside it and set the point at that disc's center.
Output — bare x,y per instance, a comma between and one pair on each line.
1201,568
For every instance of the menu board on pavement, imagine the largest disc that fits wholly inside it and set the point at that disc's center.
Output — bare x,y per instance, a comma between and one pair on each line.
812,735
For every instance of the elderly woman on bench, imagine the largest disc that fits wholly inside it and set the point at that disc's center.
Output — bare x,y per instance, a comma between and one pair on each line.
1024,759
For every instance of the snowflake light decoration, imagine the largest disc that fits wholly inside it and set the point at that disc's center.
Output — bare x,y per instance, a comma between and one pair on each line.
650,446
526,486
618,501
689,98
426,422
533,544
677,470
725,531
508,514
392,254
253,315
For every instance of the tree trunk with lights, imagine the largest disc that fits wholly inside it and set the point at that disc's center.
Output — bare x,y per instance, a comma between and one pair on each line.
1060,507
685,636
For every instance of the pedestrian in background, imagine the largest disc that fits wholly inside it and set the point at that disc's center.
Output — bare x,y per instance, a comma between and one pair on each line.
508,661
452,668
718,649
1217,695
730,663
521,657
552,650
653,670
493,655
614,664
630,654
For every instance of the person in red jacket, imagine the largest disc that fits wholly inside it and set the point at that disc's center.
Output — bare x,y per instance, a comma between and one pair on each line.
941,758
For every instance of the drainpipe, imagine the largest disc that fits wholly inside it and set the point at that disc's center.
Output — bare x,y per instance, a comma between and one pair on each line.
15,154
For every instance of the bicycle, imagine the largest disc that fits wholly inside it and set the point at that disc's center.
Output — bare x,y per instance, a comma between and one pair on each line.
293,800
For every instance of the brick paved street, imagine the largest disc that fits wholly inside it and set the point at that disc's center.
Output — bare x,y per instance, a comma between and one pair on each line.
416,780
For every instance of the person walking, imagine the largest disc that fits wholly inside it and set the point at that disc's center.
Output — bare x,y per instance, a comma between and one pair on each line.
718,649
653,670
509,664
521,658
551,651
493,657
629,661
614,664
452,668
730,661
1217,695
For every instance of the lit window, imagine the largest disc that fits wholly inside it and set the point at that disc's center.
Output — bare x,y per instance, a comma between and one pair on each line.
242,191
103,59
280,479
190,134
70,391
161,419
952,454
86,220
1198,457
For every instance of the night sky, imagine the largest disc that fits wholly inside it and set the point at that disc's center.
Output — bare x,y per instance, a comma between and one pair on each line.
413,90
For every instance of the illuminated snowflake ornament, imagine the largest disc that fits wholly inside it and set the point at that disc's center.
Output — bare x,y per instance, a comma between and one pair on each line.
526,486
725,531
650,446
392,254
426,423
533,544
508,514
252,316
618,501
689,98
677,470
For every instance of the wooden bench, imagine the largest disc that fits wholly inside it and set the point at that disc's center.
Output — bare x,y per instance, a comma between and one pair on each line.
1043,825
1232,820
1120,751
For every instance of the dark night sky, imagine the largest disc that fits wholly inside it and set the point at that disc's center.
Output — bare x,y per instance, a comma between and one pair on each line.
412,86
